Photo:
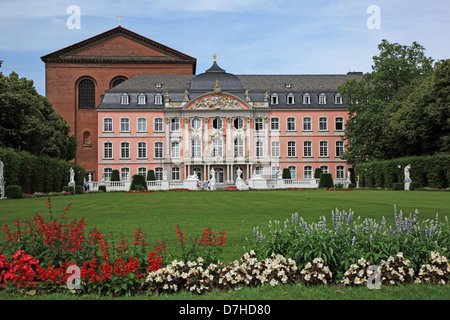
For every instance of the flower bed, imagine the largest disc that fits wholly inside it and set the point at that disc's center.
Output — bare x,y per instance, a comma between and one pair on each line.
44,256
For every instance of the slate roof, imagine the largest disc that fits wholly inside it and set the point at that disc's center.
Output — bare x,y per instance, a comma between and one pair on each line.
257,86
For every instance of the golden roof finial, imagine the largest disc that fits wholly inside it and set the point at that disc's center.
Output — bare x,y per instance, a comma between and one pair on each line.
215,56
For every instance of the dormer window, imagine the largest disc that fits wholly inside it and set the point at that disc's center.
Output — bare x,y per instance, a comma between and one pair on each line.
322,98
125,99
290,99
306,99
142,99
158,85
274,99
288,85
158,99
338,99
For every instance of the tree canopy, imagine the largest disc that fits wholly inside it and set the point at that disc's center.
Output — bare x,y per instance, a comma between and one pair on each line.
28,121
399,109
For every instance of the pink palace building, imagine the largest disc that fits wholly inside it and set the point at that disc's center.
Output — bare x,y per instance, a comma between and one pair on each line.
223,126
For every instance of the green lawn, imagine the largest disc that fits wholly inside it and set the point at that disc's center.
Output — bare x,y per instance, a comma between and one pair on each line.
232,211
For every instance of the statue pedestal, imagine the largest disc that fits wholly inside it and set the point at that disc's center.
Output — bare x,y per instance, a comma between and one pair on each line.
240,184
257,183
407,183
2,186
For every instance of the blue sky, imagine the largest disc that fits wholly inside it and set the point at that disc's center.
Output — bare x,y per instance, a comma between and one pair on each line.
248,36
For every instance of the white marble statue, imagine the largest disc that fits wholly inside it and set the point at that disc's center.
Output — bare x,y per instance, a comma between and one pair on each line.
407,175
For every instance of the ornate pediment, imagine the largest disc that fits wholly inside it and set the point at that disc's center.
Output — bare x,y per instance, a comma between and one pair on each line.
217,102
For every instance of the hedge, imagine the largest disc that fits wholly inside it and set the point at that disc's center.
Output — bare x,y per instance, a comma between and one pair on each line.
38,174
286,173
326,181
138,182
426,171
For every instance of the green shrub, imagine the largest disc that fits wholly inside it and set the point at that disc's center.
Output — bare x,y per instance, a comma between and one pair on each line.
398,186
13,192
352,186
68,189
151,175
317,173
414,185
138,182
326,181
79,189
286,173
115,176
102,188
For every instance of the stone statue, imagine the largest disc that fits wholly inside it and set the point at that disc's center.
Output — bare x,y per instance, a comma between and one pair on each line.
407,176
2,167
266,97
72,175
164,175
90,177
238,173
349,176
213,174
186,95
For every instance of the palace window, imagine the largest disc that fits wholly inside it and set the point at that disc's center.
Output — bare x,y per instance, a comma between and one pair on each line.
107,125
292,149
217,150
125,99
196,148
124,125
217,123
174,124
275,152
306,99
275,171
291,124
238,148
238,123
323,149
196,123
158,99
307,124
108,150
158,173
290,99
274,124
142,99
322,98
86,94
340,172
125,174
293,171
142,171
307,149
339,148
142,150
175,149
338,99
176,173
142,125
259,152
125,150
324,169
339,124
307,172
259,125
159,150
158,125
323,124
274,99
107,174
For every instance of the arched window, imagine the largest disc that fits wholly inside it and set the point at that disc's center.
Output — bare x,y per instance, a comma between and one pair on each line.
86,94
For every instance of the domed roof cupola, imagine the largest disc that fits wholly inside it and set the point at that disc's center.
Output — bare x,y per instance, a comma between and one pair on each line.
205,82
